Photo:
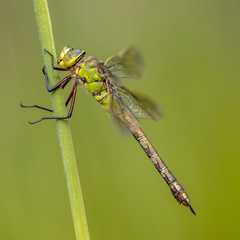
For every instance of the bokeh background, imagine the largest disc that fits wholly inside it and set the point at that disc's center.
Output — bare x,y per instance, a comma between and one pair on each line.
191,53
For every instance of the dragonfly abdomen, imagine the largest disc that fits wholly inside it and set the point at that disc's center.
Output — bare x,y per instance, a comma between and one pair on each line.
176,188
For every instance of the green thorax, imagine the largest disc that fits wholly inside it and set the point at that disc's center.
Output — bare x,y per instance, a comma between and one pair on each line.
90,71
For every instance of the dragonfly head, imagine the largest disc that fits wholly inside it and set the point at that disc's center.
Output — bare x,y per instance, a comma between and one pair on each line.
69,57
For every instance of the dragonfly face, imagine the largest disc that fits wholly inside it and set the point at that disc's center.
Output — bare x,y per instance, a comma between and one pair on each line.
69,57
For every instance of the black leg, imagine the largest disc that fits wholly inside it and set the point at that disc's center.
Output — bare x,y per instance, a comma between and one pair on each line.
55,68
36,106
64,81
73,96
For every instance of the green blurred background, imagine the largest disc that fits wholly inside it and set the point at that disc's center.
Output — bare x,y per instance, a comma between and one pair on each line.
191,53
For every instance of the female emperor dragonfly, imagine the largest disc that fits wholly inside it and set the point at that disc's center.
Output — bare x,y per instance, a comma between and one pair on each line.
101,80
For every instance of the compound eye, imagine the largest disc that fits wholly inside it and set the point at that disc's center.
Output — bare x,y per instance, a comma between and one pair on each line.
65,50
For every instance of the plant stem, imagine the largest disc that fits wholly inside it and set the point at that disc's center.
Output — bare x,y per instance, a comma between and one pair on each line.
63,129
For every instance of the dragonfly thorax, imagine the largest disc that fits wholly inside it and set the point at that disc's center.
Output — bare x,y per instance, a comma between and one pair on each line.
69,57
89,71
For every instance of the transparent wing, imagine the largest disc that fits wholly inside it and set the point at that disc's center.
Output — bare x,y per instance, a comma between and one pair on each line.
121,127
140,105
119,112
126,106
128,63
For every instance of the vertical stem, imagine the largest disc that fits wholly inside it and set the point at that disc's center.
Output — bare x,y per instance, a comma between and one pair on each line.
63,129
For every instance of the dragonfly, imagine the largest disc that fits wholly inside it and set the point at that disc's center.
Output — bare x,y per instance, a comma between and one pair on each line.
125,106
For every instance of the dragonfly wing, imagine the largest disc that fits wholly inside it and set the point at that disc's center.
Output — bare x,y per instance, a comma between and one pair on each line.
128,63
121,127
120,112
140,105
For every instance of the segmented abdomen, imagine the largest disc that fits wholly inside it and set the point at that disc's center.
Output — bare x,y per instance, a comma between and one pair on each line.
176,188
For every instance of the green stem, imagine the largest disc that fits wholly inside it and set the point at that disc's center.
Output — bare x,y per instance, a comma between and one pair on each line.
63,129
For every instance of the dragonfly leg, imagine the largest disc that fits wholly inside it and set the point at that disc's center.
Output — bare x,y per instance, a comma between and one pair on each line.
54,67
70,96
63,82
36,106
73,97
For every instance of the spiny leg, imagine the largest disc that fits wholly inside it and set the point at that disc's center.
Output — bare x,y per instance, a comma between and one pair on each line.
69,97
55,68
36,106
63,82
73,97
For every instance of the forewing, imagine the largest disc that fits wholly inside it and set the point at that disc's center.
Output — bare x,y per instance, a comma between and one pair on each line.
140,105
128,63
